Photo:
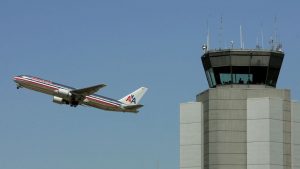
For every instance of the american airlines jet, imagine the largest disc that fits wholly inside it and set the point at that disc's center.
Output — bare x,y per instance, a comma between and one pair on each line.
63,94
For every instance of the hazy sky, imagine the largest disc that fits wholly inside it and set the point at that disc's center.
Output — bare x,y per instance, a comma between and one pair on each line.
124,44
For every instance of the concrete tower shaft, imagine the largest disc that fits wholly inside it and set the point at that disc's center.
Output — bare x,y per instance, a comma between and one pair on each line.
246,128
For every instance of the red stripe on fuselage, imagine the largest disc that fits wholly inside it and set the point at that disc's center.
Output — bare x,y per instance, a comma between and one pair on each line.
32,81
93,98
100,101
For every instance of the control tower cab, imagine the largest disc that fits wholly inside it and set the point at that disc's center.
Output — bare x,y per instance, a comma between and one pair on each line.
232,67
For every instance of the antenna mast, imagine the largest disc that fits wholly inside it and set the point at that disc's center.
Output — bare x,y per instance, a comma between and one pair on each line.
241,37
221,33
262,39
275,29
207,36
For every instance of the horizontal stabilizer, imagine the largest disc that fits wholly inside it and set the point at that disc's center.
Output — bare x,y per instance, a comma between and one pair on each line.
133,107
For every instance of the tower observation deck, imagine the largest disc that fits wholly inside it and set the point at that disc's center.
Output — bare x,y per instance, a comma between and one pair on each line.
242,67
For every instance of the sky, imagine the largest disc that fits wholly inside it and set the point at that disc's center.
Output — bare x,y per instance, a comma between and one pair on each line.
124,44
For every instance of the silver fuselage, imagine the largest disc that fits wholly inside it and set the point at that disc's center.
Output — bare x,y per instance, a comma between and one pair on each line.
50,88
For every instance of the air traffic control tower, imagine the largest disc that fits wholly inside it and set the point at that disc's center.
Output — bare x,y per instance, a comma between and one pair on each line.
242,121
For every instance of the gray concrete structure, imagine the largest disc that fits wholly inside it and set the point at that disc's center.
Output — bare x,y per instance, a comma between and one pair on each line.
295,118
191,135
240,124
239,128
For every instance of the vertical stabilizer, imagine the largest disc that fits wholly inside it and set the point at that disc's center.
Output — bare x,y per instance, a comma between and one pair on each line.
134,97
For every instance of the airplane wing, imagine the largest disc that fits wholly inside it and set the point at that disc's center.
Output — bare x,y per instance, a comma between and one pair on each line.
88,90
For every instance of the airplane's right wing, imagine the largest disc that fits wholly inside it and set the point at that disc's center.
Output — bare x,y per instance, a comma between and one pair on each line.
88,90
79,94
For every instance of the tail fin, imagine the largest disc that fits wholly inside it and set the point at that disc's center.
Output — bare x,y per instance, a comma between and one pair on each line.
134,97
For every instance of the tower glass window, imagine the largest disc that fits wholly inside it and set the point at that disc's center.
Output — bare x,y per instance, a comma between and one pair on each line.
243,67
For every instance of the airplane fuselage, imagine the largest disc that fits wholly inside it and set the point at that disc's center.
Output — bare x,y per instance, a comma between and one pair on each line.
61,95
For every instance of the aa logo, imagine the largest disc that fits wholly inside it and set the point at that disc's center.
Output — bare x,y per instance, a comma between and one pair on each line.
131,99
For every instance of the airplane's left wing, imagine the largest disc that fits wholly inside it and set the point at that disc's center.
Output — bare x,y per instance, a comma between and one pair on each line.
88,90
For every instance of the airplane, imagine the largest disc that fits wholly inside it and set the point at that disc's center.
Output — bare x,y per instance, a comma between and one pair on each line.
63,94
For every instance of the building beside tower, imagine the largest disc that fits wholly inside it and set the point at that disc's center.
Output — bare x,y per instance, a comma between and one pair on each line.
242,121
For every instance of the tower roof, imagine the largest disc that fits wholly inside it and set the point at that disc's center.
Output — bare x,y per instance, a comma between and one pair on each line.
242,66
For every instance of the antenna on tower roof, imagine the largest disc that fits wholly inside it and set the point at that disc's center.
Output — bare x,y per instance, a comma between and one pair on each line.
275,28
205,46
241,37
275,43
257,43
221,33
207,36
262,38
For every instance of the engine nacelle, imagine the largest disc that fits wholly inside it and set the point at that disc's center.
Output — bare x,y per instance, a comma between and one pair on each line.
59,100
63,92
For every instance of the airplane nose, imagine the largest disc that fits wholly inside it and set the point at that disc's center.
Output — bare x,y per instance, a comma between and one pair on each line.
15,78
17,81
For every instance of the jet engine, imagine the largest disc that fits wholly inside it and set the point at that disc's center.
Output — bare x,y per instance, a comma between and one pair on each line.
59,100
63,92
